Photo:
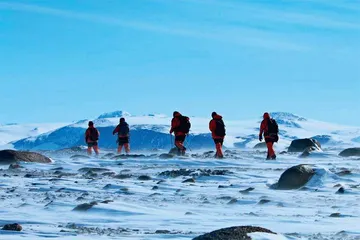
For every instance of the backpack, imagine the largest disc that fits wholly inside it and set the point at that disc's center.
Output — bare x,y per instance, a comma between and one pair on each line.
273,127
94,134
185,125
220,128
124,129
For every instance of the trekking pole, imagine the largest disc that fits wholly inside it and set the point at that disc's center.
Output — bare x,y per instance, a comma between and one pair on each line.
171,140
188,142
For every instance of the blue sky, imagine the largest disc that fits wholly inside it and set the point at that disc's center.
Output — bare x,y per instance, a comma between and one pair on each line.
68,60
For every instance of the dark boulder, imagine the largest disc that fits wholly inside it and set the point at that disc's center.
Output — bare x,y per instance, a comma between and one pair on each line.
233,233
350,152
79,156
144,178
94,169
84,207
174,151
295,177
166,156
246,191
300,145
190,180
11,156
307,152
12,227
261,145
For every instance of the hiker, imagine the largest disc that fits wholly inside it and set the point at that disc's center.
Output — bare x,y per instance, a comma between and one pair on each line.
180,126
92,138
270,129
123,135
217,128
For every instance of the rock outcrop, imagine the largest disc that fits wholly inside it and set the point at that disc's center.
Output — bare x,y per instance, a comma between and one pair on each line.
12,156
233,233
295,177
300,145
350,152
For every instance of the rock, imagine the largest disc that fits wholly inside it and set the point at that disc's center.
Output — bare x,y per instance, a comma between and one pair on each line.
350,152
155,188
108,174
341,190
12,156
174,151
295,177
194,172
123,176
84,207
209,154
335,215
190,180
264,201
108,155
307,152
144,178
261,145
162,232
161,181
12,227
107,201
28,175
166,156
232,233
300,145
343,173
72,150
90,174
246,191
233,201
154,194
96,170
337,185
14,166
283,152
78,156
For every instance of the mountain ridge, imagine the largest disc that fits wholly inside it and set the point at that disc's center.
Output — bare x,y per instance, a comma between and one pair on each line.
151,131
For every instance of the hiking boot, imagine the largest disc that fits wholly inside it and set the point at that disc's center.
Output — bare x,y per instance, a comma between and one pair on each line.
273,157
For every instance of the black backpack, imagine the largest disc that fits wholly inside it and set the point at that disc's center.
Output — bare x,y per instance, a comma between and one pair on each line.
123,129
273,127
220,128
185,125
94,134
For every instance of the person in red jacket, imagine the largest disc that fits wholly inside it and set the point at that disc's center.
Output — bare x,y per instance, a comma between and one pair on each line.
123,132
180,125
217,128
92,138
270,130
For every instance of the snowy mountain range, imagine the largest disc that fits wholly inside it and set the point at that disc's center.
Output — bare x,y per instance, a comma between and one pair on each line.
150,132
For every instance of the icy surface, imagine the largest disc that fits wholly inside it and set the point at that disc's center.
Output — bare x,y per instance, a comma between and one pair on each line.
42,197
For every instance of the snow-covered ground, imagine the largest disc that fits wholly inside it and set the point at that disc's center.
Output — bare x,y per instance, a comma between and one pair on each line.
41,197
43,200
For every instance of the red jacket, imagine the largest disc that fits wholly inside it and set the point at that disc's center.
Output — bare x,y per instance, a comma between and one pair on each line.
264,126
212,127
175,123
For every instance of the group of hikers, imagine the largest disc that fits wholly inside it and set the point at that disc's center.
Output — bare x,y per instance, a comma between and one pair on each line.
180,126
